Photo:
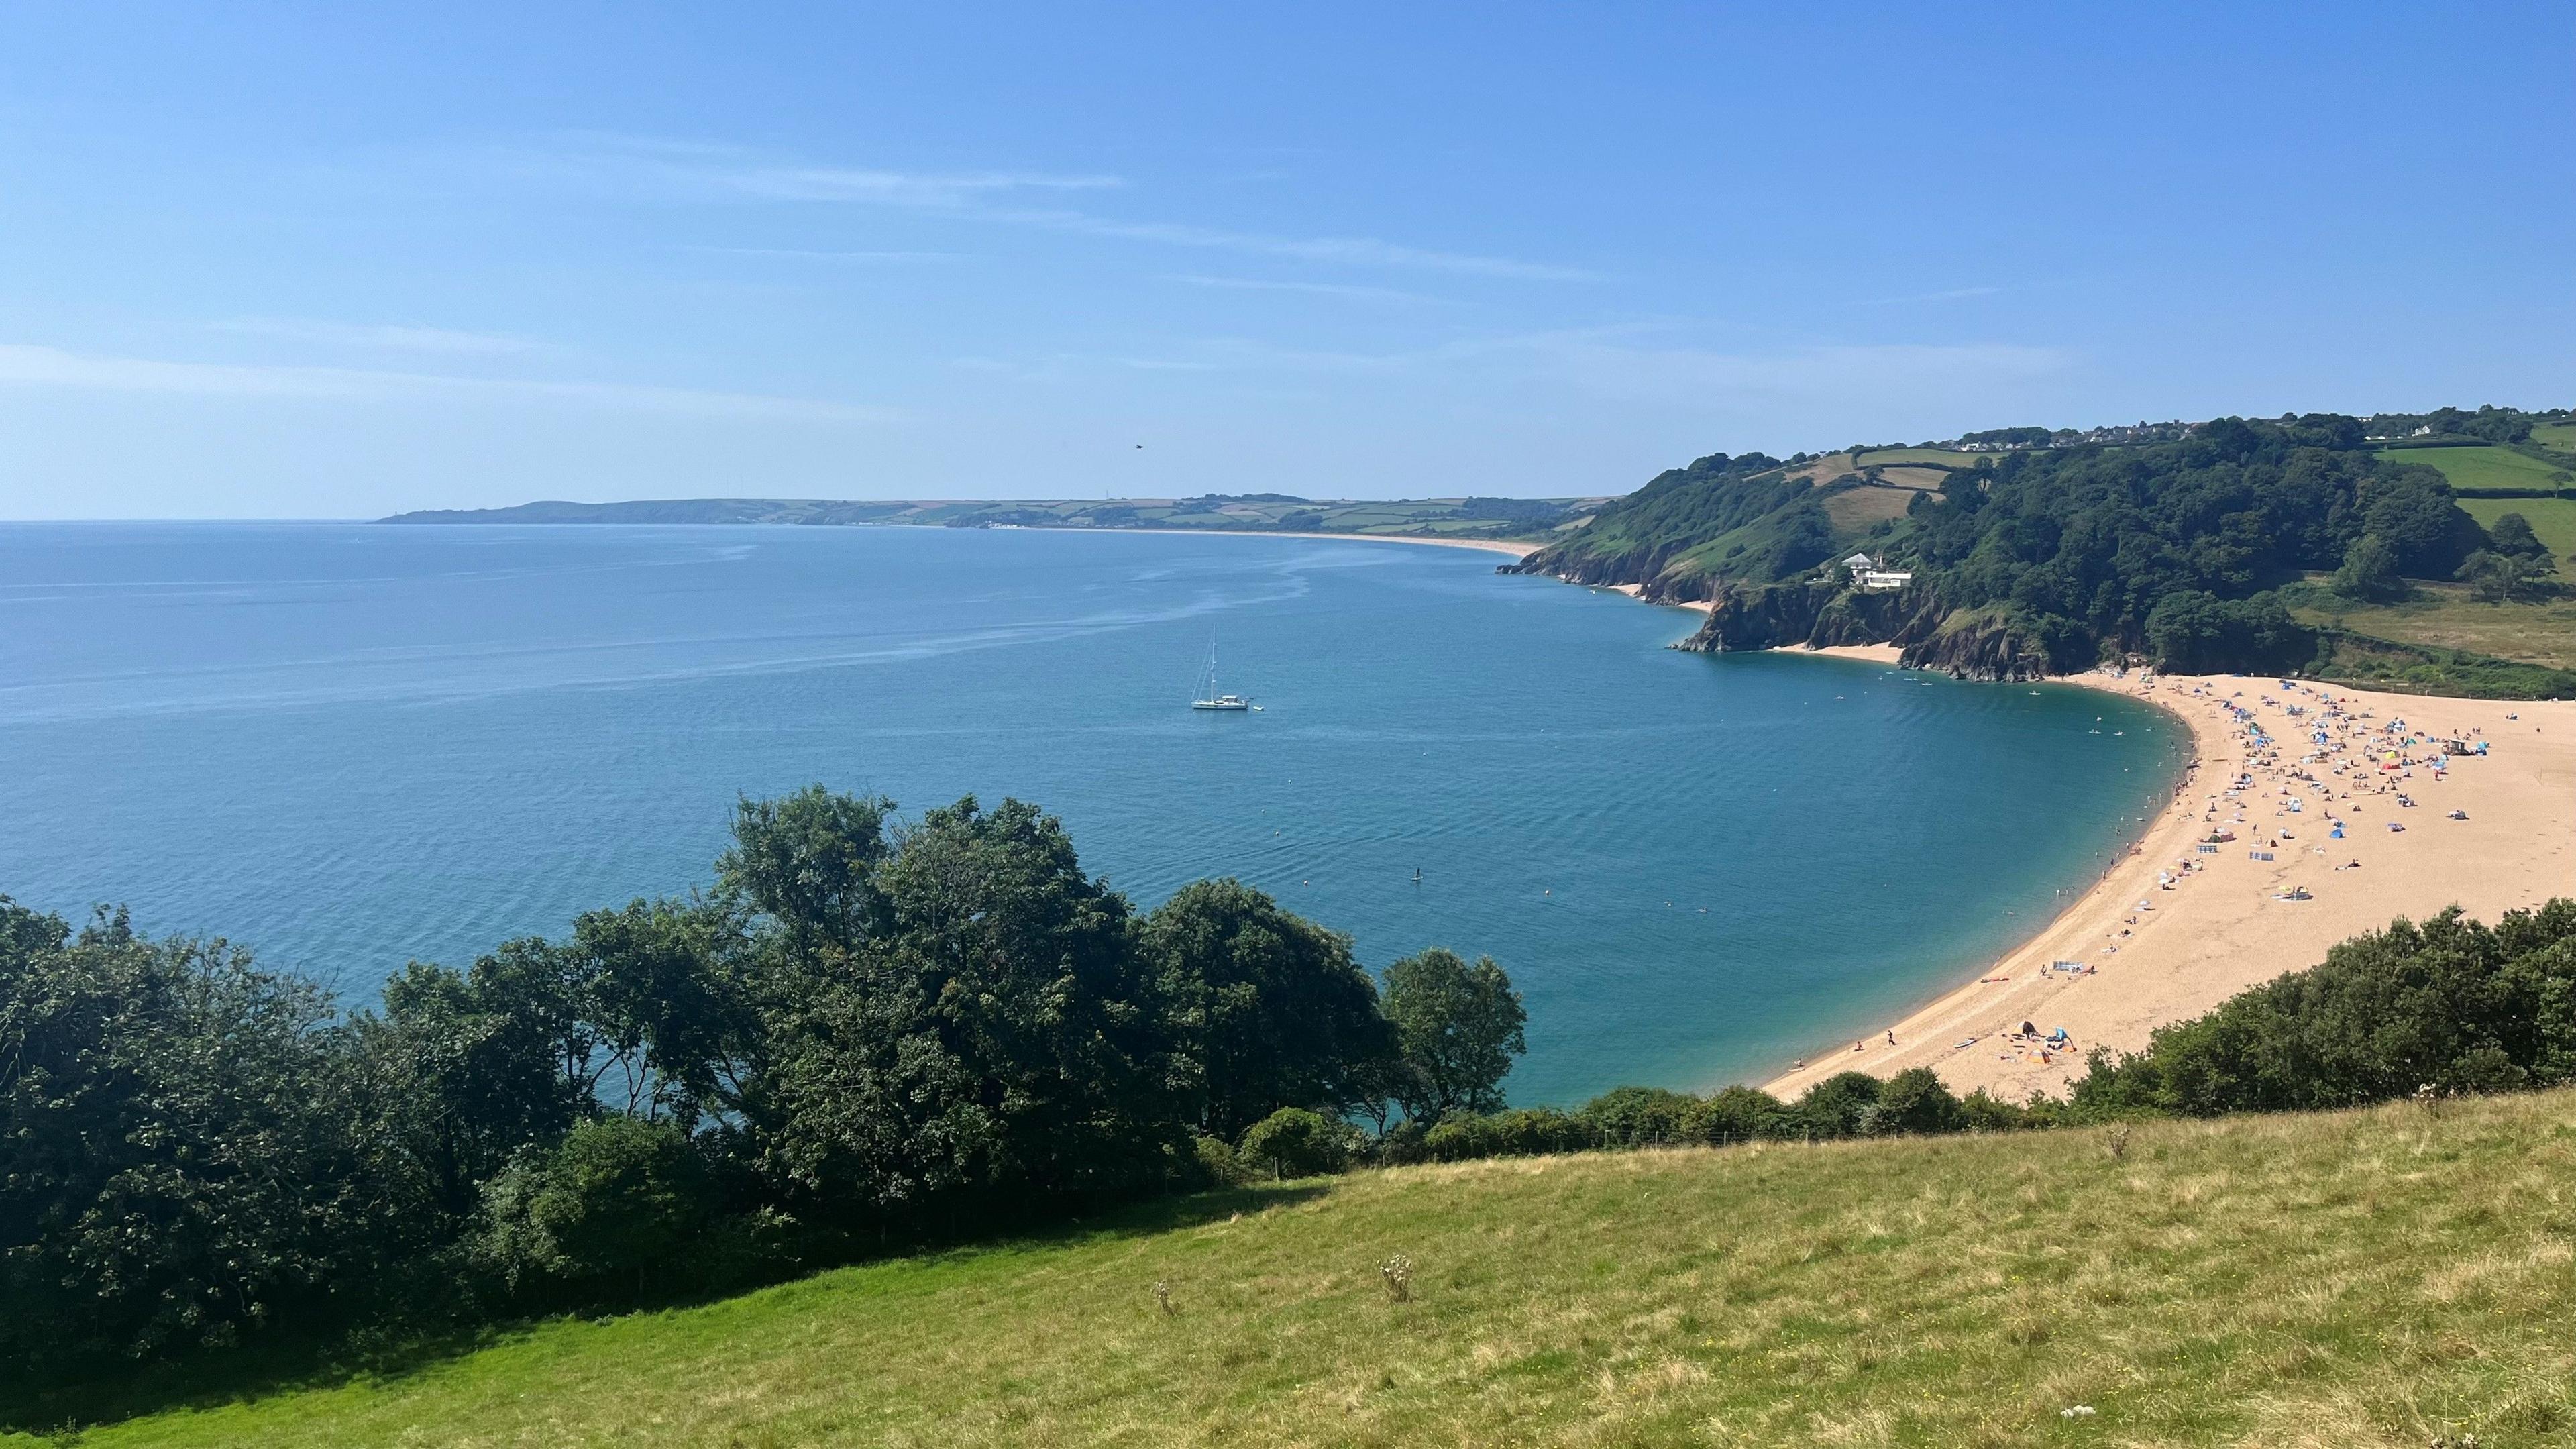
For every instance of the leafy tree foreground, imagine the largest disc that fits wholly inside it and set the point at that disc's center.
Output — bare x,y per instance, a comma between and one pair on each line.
870,1037
865,1036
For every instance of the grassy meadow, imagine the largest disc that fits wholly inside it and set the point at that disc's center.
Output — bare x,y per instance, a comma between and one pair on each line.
2367,1278
2444,616
1854,509
2488,467
2553,519
1936,457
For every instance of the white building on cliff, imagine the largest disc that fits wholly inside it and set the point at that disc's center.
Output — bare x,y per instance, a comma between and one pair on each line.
1869,578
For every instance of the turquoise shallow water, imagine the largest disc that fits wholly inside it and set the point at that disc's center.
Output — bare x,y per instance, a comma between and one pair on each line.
346,745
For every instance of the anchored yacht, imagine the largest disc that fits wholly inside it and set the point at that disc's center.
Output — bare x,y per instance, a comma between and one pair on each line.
1208,698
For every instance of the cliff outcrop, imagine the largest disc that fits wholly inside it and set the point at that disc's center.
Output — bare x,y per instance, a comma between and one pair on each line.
1820,613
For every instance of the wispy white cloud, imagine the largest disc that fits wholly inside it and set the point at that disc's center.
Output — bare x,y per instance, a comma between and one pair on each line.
703,172
1316,289
1628,363
1952,294
1344,250
807,254
389,338
1856,376
24,365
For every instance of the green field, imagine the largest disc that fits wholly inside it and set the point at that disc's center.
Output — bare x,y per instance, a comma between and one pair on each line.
2370,1278
2561,436
2488,467
2553,519
1939,457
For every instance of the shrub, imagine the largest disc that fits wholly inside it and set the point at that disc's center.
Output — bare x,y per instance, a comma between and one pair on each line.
1834,1106
1218,1166
1527,1132
618,1200
1293,1142
1639,1116
2450,1003
1742,1114
1401,1144
1980,1111
1914,1101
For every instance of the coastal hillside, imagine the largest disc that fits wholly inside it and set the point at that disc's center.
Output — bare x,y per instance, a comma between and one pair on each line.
1462,518
2411,551
2394,1276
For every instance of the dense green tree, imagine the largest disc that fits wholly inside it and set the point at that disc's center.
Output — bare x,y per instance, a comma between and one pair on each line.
1270,1009
808,860
1294,1142
465,1080
1638,1116
2428,533
2511,535
2369,571
1838,1106
619,1202
2196,632
1915,1101
1000,1045
179,1153
1744,1114
2498,577
1457,1028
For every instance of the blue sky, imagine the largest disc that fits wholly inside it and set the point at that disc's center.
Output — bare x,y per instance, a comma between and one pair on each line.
319,261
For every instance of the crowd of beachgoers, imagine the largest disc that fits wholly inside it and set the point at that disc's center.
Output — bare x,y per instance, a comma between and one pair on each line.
2308,813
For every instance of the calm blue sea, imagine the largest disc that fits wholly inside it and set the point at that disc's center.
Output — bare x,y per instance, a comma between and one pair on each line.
347,745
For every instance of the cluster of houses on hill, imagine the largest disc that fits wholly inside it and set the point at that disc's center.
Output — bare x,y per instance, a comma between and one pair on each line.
2014,440
1869,578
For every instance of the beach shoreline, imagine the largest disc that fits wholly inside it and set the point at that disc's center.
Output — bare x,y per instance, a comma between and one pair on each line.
2170,931
2216,922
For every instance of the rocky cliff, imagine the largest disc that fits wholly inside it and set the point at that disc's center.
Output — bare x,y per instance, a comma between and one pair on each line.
1643,567
1818,613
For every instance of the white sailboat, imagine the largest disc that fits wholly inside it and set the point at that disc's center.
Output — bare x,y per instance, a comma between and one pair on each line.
1208,698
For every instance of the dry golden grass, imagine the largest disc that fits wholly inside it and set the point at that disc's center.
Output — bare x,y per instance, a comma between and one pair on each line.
1857,508
2372,1278
2444,616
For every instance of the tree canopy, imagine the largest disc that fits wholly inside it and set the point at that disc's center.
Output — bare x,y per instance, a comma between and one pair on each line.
866,1033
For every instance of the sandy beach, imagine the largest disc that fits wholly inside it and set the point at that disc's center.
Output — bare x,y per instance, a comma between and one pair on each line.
1636,592
2177,928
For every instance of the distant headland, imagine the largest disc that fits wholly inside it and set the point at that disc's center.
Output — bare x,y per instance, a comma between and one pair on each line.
1532,520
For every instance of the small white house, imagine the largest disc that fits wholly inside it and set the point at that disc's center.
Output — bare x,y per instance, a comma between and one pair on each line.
1869,578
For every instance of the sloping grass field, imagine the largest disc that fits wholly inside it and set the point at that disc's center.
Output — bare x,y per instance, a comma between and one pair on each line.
2370,1278
2488,467
2552,519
